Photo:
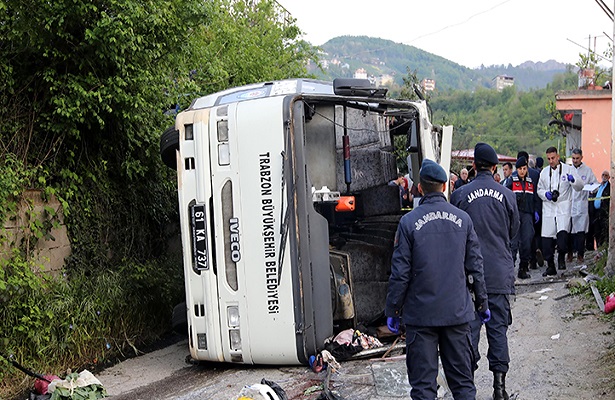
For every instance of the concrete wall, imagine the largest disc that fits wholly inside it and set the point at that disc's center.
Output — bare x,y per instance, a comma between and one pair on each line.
595,106
48,252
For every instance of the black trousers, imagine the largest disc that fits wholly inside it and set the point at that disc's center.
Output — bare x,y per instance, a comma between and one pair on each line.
601,227
548,245
497,330
537,236
454,342
523,240
578,243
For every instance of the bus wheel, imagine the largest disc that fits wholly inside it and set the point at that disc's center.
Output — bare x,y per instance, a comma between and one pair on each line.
179,320
169,144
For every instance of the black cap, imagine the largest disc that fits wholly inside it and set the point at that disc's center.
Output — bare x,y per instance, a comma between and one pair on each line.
431,171
485,153
539,162
521,162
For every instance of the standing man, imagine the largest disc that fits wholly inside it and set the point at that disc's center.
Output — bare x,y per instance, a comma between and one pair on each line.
507,170
405,199
580,206
534,175
523,186
601,207
493,210
537,243
555,190
463,178
429,289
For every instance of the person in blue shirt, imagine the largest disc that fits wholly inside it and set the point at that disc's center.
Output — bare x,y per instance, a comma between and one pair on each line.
493,209
430,289
601,210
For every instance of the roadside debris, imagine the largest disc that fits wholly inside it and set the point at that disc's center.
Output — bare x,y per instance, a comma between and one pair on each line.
266,390
597,297
77,386
609,306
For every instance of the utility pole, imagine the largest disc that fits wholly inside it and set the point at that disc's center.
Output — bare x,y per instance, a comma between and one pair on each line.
610,262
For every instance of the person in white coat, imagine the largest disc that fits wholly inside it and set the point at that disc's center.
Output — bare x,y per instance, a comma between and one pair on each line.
555,187
580,208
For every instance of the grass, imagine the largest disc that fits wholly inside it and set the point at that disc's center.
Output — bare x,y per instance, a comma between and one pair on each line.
83,320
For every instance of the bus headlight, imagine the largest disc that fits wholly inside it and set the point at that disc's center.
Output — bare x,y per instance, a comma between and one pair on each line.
223,131
235,339
233,316
224,154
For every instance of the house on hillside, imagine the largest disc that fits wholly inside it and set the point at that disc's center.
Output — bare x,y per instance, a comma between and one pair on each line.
586,124
502,81
360,73
428,85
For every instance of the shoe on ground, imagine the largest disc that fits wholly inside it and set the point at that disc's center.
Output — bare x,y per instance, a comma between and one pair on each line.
550,272
568,258
523,274
540,258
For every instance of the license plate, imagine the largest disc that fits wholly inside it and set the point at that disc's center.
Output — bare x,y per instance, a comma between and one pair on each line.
199,237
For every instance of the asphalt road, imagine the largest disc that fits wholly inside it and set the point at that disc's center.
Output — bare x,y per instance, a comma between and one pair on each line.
550,328
165,374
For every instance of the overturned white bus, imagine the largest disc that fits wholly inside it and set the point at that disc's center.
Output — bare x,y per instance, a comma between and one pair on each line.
287,221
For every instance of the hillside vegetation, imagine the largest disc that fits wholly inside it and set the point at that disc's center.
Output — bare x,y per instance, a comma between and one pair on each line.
380,56
510,120
83,98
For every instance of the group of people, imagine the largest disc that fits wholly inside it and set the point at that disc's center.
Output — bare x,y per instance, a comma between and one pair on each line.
443,298
554,202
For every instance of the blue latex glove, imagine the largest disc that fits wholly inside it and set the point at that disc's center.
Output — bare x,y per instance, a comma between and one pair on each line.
570,178
393,324
549,195
536,217
485,316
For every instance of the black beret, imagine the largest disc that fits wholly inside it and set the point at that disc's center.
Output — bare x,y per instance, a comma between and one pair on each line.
431,171
485,153
539,162
521,162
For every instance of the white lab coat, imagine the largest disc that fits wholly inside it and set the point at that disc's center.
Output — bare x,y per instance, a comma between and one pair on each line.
556,215
579,213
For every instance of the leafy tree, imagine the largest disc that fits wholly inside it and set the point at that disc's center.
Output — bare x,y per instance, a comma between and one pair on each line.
510,120
85,86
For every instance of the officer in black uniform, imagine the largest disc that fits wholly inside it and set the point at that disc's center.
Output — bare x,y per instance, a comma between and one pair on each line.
524,188
534,174
429,289
493,210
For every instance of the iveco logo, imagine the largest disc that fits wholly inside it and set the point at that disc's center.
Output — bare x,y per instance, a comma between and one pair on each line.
235,248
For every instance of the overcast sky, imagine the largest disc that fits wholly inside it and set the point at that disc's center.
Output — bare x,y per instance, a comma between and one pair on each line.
471,32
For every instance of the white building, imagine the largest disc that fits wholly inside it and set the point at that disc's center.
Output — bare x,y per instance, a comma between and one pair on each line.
502,81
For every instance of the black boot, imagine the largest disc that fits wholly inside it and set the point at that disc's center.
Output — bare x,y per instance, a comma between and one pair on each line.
523,271
550,269
561,261
533,265
499,386
539,258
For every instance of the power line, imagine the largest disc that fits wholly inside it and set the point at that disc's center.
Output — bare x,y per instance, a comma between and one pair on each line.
606,9
583,47
460,23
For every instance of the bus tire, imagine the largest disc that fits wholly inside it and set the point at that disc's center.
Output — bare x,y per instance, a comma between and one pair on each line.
169,144
179,319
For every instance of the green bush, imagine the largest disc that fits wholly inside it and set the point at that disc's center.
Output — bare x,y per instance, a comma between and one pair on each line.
82,320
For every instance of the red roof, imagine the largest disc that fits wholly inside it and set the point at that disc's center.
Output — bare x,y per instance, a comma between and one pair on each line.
468,154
